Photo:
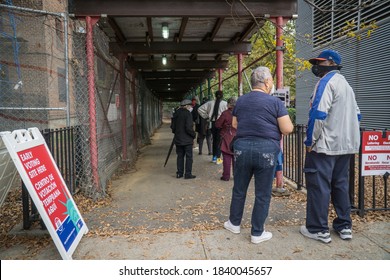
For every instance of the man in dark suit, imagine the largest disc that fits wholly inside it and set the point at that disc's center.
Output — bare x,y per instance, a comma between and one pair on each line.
182,127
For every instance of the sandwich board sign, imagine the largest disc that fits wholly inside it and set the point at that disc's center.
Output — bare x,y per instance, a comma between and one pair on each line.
47,188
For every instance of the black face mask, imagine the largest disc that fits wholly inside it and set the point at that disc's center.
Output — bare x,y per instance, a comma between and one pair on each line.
321,70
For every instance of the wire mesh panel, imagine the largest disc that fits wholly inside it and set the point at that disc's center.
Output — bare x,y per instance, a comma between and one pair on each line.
55,72
108,109
32,70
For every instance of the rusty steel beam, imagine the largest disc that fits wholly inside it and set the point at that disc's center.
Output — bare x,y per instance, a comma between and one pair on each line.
177,64
177,74
150,28
180,8
118,32
183,25
216,28
172,90
182,48
177,82
250,28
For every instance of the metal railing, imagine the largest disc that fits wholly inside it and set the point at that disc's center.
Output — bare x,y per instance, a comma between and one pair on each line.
294,156
61,145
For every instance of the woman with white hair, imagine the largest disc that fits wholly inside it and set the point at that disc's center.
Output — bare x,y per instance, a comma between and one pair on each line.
260,119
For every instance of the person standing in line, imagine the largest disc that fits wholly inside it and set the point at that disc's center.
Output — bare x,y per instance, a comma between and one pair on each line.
332,137
182,127
227,132
204,132
211,111
260,119
195,116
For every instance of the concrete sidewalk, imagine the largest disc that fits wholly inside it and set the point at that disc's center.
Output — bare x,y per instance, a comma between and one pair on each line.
287,244
154,216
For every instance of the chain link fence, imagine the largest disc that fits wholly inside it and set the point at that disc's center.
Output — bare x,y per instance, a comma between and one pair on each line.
45,82
32,70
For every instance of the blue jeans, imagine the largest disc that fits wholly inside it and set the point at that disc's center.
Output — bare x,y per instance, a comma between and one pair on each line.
258,157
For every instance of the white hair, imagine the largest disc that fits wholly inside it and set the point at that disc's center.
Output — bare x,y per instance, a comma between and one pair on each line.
259,75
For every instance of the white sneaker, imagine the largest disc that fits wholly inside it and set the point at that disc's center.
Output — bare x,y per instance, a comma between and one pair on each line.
230,227
345,234
280,192
266,235
321,236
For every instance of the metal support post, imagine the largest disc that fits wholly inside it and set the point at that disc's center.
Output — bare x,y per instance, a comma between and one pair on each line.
361,178
90,22
66,37
239,62
122,88
220,87
279,80
135,142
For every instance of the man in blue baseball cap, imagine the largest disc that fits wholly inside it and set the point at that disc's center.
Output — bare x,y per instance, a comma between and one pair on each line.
326,61
332,138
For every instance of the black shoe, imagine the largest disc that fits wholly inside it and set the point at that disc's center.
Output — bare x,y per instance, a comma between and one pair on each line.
224,179
179,175
200,153
189,177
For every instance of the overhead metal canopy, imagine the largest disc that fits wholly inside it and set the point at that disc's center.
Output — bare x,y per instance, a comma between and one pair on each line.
202,35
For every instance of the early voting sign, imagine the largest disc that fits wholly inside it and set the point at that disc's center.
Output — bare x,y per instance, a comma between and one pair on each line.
47,188
375,153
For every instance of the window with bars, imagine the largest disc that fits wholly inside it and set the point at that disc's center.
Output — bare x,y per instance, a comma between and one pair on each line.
335,19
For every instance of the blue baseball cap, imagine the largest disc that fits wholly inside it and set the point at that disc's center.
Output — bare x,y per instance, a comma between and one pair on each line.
327,55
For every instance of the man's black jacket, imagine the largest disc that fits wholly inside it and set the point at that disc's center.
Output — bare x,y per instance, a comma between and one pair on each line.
182,127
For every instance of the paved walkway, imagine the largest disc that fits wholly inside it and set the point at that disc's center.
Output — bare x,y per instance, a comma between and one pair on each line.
154,216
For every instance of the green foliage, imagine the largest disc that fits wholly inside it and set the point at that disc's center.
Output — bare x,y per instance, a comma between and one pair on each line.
263,42
292,114
352,30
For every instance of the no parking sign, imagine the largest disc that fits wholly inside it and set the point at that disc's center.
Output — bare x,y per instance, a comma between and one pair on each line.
375,153
46,187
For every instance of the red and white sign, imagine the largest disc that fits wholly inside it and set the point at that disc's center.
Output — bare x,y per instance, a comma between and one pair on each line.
375,153
46,187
